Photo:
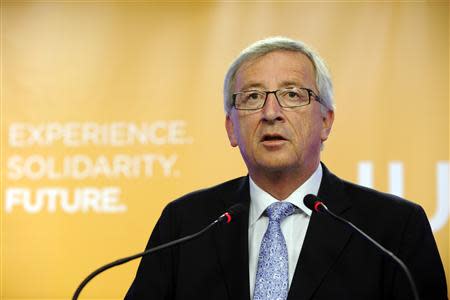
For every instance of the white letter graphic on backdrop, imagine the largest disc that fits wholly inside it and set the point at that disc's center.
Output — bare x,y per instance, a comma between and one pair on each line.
396,184
442,186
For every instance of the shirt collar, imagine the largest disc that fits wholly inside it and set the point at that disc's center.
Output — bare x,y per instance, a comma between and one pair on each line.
260,199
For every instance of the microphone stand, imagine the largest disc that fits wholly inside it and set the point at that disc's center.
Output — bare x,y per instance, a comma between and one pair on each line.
226,217
312,202
379,247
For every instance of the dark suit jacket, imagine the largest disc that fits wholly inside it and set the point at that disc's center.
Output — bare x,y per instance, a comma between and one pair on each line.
334,263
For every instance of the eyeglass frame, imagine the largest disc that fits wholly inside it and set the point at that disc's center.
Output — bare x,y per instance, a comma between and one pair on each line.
310,94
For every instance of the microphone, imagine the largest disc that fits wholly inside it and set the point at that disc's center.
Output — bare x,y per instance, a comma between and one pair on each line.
226,218
313,203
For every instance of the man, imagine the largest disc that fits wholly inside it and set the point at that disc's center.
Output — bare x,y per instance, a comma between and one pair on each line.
279,112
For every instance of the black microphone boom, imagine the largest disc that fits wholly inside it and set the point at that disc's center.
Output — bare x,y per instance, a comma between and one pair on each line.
313,203
224,218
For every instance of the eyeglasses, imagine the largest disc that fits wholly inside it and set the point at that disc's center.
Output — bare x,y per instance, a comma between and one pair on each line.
287,98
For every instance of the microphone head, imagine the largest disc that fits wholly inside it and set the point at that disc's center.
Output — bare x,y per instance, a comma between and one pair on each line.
232,212
236,209
311,201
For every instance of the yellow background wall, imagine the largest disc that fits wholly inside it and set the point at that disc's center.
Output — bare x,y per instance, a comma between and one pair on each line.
79,62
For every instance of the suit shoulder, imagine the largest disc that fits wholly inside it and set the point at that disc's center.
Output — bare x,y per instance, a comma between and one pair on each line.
363,198
198,208
377,201
208,196
385,217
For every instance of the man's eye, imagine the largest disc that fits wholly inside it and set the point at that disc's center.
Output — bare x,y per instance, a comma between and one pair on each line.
290,95
254,96
293,95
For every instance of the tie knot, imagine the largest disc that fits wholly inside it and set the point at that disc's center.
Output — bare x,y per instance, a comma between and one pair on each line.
279,210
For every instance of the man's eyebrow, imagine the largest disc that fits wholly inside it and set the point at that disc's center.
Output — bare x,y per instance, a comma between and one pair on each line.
291,83
252,85
257,85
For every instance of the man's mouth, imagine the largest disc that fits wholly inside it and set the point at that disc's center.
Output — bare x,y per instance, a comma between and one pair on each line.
272,137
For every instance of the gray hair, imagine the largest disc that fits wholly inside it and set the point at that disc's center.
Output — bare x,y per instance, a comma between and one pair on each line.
263,47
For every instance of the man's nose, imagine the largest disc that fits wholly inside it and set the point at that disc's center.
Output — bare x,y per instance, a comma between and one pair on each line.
272,109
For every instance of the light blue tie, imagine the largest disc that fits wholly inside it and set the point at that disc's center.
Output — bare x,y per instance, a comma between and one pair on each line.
272,275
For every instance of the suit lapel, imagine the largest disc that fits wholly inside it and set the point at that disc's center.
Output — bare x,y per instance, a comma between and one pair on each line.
232,245
324,241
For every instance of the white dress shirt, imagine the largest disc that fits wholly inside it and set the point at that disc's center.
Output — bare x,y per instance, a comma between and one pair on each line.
293,227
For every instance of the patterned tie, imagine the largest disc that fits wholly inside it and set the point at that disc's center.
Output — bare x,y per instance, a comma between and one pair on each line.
272,275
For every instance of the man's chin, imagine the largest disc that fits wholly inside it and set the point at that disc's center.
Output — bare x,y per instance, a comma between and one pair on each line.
276,166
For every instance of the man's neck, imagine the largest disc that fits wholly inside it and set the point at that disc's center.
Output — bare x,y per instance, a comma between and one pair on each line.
280,184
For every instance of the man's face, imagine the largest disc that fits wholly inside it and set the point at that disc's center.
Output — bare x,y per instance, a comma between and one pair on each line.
274,138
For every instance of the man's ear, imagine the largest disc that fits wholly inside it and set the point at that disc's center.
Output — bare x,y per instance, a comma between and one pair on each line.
230,131
327,123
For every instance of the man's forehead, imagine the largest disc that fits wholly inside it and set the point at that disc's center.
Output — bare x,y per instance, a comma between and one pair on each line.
295,67
252,83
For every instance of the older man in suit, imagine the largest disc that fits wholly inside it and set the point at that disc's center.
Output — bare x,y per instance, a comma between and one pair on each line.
279,112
